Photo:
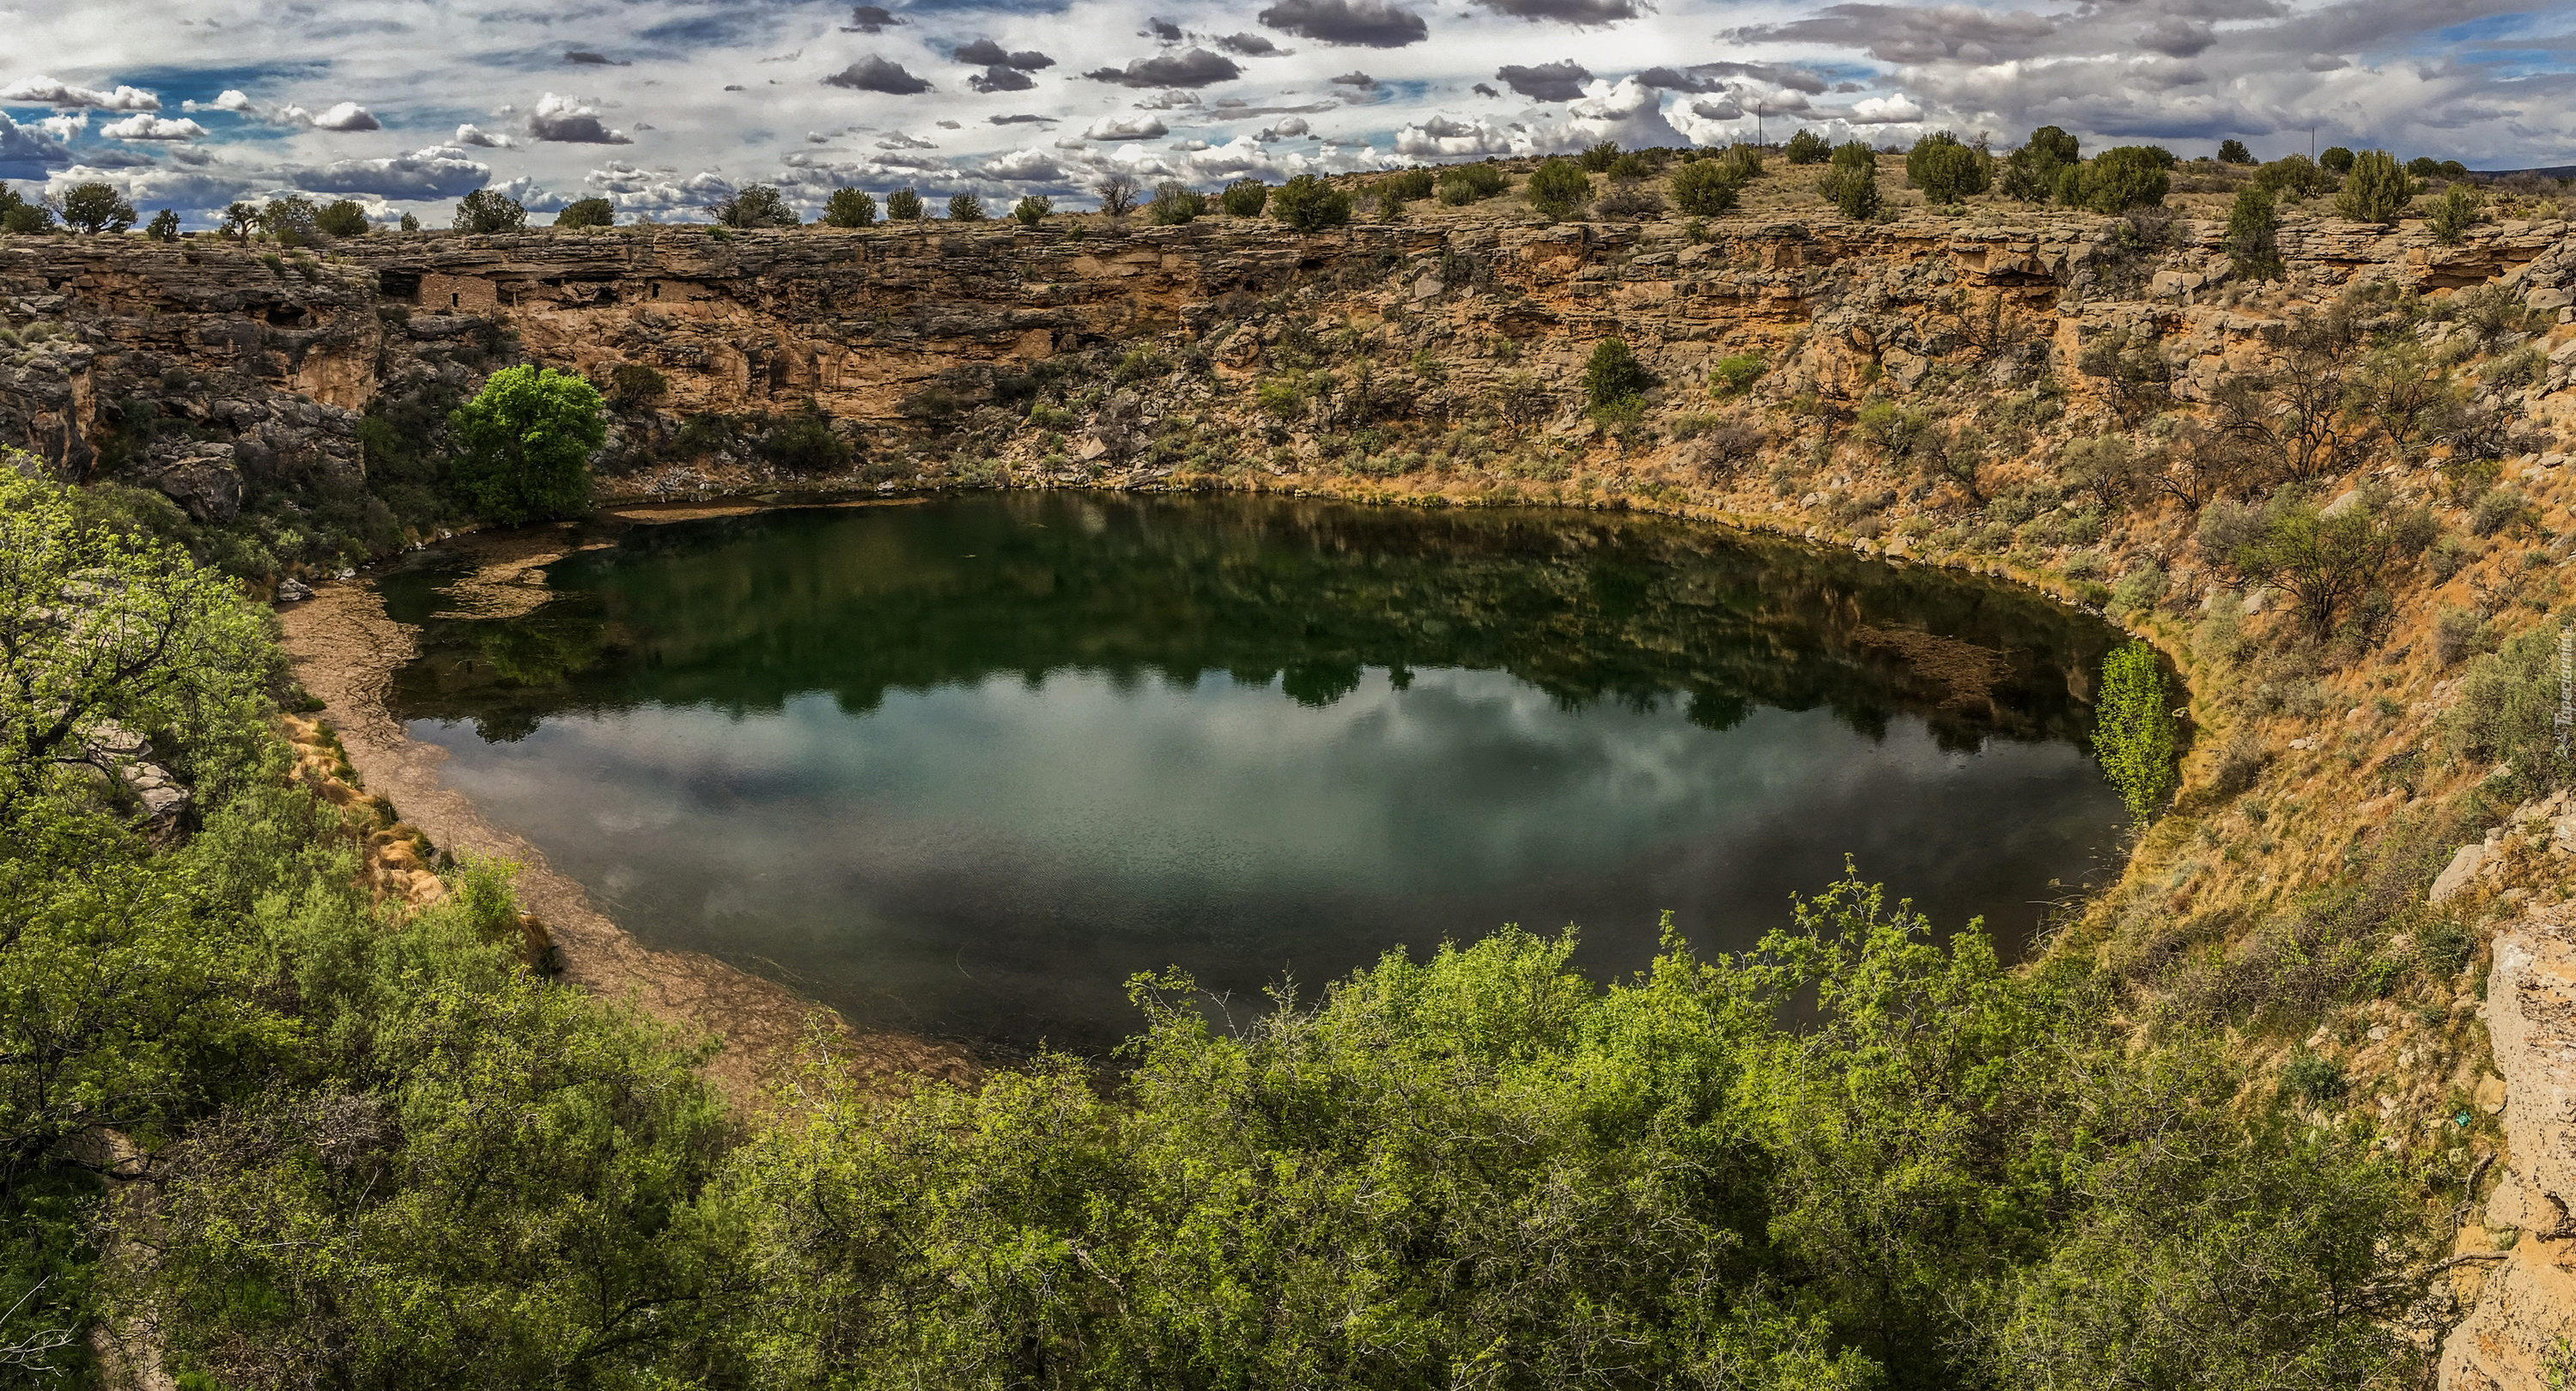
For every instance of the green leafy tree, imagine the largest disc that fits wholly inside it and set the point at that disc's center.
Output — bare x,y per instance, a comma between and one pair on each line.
849,208
2332,563
587,212
2234,152
96,208
2125,177
2254,236
23,215
164,226
342,217
1308,204
291,221
965,207
2293,177
904,205
1558,189
1033,209
2424,167
523,445
2133,729
753,206
1851,181
1946,168
240,220
1807,147
2337,160
410,223
1244,198
2376,190
1704,188
485,210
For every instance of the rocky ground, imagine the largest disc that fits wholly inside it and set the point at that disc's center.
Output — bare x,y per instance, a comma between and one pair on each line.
2040,394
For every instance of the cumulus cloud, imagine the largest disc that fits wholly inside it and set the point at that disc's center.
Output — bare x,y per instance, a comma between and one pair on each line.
870,19
1777,75
1025,167
26,150
1913,33
65,125
45,91
1487,89
1357,79
476,136
1141,126
1672,81
1293,128
1443,138
143,125
1165,31
1191,67
230,99
1348,23
1248,46
874,73
347,116
1884,111
986,53
1561,80
1576,12
437,172
897,140
2176,37
1001,79
565,121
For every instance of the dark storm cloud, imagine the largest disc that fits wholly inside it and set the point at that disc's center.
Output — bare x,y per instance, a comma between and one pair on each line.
1795,79
876,74
586,58
999,78
2176,37
1248,45
1357,79
986,53
870,19
1165,30
1022,120
1487,89
1191,67
1577,12
1912,35
1348,23
1561,80
1670,81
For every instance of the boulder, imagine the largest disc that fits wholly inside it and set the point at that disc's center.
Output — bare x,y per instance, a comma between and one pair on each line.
2456,875
207,485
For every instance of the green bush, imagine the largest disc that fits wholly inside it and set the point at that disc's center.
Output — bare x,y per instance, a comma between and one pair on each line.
1558,190
2124,177
1411,186
1613,375
965,207
586,212
849,208
1597,159
1851,182
523,445
2376,190
904,205
1244,198
96,208
2035,172
2460,208
1735,373
164,226
754,206
2253,237
485,210
1807,147
2507,712
1032,209
2336,160
2234,152
1308,204
1704,188
1945,168
2133,729
1461,184
2294,177
1175,203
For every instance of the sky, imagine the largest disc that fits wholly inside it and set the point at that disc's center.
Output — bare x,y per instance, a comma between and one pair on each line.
664,106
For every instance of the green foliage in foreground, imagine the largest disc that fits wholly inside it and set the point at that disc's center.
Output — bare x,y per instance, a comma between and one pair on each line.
2134,733
382,1154
524,445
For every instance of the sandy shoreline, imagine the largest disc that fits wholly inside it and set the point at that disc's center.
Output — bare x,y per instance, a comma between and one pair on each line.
345,650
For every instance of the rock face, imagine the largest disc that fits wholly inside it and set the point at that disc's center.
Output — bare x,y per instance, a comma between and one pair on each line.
159,350
2522,1309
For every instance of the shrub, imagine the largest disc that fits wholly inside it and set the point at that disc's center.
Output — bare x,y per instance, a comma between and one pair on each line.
1175,203
2234,152
1631,201
632,384
1704,188
2376,190
291,221
1033,209
1740,162
2293,177
2424,167
2329,564
587,212
1598,158
2458,634
524,444
965,207
1308,204
2498,509
805,443
2337,160
754,206
1851,183
410,222
485,210
1945,168
1138,364
2313,1078
95,207
2124,177
2253,236
164,226
2507,711
1117,194
27,217
904,205
849,208
1461,184
1735,373
1612,375
2133,729
1807,147
1411,186
2460,207
1244,198
1558,190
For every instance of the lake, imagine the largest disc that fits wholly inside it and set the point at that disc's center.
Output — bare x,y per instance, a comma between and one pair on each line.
963,766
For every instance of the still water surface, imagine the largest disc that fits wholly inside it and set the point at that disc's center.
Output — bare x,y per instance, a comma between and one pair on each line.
963,766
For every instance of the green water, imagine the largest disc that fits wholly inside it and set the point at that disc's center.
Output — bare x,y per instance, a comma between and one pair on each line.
964,766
